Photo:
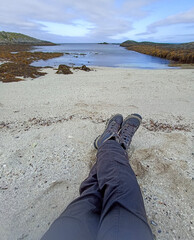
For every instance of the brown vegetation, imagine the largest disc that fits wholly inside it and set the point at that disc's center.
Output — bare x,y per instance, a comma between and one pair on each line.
18,62
155,126
14,72
182,65
180,56
18,59
178,53
18,55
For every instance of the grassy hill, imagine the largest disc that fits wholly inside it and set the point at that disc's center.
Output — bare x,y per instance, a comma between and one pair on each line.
11,38
180,53
189,45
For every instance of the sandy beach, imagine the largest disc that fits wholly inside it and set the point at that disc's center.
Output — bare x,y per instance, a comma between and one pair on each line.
47,129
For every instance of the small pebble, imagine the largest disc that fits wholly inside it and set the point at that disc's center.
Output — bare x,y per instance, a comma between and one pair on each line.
153,223
159,231
34,145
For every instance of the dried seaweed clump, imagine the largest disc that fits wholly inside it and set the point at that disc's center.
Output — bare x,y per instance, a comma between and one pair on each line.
176,55
156,126
27,57
19,60
14,72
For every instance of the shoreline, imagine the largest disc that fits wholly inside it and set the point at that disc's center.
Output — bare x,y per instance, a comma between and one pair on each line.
16,62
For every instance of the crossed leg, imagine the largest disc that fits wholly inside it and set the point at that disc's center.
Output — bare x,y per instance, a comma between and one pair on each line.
123,214
110,205
80,219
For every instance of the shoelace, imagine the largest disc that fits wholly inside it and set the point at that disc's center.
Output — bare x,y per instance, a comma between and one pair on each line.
113,127
128,132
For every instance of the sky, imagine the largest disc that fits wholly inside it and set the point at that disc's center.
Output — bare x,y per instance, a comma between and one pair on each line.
92,21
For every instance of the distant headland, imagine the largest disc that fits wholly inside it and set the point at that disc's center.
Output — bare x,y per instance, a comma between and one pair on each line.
179,53
11,38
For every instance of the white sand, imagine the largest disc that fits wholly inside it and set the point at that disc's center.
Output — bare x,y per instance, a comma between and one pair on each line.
47,128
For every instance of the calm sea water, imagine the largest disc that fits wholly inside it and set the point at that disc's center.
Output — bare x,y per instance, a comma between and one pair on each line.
108,55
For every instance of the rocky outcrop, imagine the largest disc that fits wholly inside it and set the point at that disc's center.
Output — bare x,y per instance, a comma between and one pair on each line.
83,67
64,69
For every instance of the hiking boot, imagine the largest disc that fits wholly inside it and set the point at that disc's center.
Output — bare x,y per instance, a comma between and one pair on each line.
128,129
111,131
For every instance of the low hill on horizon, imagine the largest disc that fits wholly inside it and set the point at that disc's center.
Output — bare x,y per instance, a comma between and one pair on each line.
12,38
178,53
129,43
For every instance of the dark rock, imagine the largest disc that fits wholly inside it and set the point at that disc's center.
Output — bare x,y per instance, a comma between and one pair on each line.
64,69
84,68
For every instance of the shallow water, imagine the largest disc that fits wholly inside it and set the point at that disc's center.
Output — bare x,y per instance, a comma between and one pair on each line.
107,55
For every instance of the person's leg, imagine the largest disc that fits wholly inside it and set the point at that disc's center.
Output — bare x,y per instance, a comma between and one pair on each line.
123,213
80,219
119,223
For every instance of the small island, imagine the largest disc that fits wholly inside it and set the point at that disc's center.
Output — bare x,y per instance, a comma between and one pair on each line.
103,43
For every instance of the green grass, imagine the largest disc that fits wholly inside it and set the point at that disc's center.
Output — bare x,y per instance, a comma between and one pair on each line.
18,38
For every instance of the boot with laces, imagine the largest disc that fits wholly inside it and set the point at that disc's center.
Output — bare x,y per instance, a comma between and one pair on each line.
128,129
111,130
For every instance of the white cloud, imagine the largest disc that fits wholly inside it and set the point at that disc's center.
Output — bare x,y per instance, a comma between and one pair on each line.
78,28
135,8
181,18
106,18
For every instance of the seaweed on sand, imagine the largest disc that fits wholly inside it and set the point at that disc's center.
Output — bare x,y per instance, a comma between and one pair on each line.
18,60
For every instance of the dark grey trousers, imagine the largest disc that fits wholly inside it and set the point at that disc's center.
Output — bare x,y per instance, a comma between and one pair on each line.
110,205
